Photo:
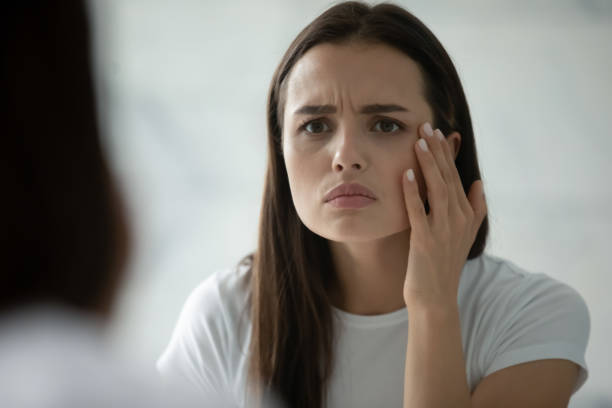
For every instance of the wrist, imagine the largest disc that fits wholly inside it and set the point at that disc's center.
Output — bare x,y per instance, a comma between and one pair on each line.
433,309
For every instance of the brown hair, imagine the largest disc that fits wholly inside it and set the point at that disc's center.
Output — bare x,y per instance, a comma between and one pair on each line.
292,338
63,236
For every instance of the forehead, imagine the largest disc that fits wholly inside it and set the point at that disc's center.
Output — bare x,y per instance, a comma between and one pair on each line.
363,73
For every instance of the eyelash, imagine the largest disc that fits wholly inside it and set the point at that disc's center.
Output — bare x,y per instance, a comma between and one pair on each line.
399,125
305,123
302,126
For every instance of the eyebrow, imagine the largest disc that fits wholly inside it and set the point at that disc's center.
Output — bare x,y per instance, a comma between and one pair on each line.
367,109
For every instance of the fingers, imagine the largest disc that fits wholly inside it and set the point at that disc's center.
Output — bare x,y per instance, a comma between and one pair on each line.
478,203
437,191
446,195
441,150
454,179
436,144
414,204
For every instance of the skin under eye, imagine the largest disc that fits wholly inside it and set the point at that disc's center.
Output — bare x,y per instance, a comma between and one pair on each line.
386,126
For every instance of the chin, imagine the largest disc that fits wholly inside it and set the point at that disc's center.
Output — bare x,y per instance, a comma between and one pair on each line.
354,231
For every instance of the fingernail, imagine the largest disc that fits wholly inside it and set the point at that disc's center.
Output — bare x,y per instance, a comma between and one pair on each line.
423,144
427,129
410,174
439,134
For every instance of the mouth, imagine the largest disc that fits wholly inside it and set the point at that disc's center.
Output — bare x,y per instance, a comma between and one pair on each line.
350,196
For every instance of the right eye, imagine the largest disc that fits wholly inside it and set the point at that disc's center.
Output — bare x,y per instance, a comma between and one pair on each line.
316,126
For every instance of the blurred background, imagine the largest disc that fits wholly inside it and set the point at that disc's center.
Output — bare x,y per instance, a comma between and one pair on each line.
182,90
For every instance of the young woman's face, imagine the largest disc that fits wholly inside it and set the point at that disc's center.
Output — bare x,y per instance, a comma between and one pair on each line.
351,118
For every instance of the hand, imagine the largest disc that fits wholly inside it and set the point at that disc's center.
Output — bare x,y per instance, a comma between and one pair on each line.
441,240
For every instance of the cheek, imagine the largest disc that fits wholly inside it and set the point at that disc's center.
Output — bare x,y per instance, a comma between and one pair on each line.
397,170
410,162
303,175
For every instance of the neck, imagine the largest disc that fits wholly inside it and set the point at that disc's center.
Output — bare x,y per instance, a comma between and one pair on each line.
370,275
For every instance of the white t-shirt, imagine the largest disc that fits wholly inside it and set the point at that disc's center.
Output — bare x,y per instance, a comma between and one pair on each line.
55,357
508,316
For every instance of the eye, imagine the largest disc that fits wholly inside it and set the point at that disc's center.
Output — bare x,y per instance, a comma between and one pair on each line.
386,126
316,126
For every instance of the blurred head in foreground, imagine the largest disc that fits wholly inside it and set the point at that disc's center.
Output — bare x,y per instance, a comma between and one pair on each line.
64,239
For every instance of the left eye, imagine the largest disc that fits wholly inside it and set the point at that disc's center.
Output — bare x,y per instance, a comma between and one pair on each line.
386,126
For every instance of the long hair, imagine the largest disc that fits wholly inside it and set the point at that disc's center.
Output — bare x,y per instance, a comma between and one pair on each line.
63,237
291,350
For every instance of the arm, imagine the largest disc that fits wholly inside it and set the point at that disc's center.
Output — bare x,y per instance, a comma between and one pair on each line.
439,244
435,367
435,372
542,383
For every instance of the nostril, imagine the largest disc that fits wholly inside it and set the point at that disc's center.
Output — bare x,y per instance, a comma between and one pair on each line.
340,167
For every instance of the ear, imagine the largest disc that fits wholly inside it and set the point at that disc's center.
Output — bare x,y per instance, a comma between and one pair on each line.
454,139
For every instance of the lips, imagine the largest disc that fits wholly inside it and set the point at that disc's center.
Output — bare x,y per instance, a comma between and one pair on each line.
350,195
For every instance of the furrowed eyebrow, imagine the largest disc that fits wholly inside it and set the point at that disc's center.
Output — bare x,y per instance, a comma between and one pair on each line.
315,109
378,108
367,109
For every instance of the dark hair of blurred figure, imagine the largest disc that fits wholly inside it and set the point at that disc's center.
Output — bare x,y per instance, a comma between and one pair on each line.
64,238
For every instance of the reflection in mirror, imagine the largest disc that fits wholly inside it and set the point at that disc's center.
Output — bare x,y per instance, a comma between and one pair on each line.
371,283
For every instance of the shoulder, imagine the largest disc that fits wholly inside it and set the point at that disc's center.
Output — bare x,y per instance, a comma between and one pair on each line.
511,316
492,280
216,307
212,332
222,296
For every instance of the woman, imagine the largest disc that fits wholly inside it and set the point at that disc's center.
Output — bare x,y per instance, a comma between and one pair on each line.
369,286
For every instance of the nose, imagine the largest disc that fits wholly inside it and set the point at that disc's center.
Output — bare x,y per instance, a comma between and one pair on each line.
348,152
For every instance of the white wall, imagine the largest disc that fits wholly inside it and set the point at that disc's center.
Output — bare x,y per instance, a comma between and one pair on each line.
183,88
